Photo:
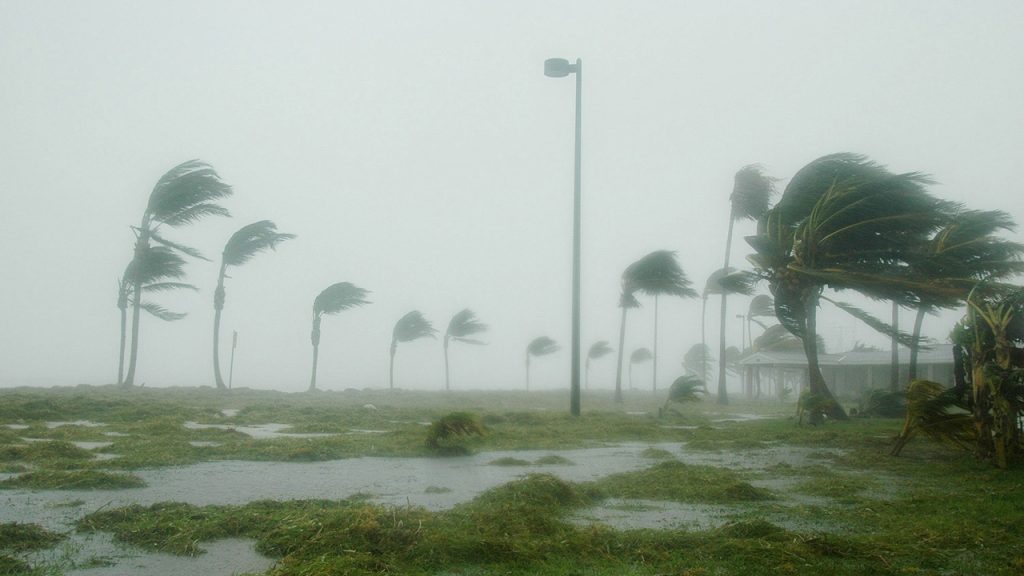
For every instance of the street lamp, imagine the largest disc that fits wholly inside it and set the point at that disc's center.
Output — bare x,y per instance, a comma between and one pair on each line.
557,68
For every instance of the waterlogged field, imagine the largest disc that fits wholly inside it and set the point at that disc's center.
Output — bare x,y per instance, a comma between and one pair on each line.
102,481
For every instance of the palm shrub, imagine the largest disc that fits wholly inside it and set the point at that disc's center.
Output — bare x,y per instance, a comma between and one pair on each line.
461,328
412,326
597,350
936,412
240,248
448,433
697,360
333,299
686,388
184,195
539,346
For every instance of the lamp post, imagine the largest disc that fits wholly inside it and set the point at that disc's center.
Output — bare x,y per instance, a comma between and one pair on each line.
558,68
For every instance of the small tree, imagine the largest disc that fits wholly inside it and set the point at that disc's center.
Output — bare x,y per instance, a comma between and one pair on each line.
686,388
598,350
412,326
539,346
639,356
333,299
463,325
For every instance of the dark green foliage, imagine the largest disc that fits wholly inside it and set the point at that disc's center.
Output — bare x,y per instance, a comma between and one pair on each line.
937,412
655,274
686,389
72,480
883,404
674,480
250,240
412,326
542,346
19,537
463,325
451,430
338,297
42,452
599,349
9,565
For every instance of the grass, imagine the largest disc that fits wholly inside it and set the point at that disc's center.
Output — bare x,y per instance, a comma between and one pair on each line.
19,537
72,480
940,511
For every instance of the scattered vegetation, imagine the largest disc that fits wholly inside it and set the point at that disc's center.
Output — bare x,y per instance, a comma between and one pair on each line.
19,537
72,480
449,433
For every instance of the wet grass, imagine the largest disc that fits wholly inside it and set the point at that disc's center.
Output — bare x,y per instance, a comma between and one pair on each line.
678,482
19,537
72,480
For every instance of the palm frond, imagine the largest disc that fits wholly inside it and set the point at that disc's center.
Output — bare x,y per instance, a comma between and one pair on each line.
542,346
777,339
599,349
657,273
155,264
412,326
762,306
698,358
751,193
338,297
188,250
165,286
251,240
877,324
186,193
161,312
464,324
640,355
195,213
686,389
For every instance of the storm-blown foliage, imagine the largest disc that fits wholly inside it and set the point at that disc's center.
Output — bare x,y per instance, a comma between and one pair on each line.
597,350
412,326
184,195
638,356
539,346
243,245
334,299
461,328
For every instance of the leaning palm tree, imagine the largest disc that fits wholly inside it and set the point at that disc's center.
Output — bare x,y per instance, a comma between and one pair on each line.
159,271
412,326
186,194
751,192
655,274
333,299
243,245
761,306
597,350
539,346
721,282
843,222
639,356
697,359
463,325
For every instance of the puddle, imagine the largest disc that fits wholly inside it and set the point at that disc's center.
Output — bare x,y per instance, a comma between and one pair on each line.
257,431
17,426
205,443
82,423
93,445
366,431
229,412
744,418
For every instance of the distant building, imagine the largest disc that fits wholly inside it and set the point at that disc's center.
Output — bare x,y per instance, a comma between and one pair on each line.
848,374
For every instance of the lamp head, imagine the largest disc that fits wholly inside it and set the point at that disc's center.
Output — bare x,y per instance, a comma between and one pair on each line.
558,67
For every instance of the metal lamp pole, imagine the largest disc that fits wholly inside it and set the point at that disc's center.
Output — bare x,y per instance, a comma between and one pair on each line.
557,68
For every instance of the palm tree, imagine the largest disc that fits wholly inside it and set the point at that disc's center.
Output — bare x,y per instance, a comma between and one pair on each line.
158,271
333,299
655,274
721,282
761,306
639,356
697,359
597,350
964,251
539,346
247,242
846,223
751,192
185,194
462,325
412,326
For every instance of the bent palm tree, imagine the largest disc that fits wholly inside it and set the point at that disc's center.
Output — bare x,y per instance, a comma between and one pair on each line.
639,356
412,326
333,299
655,274
539,346
243,245
696,360
185,194
463,325
722,282
597,350
158,272
751,192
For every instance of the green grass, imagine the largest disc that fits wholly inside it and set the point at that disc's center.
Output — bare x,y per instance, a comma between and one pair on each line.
72,480
675,481
19,537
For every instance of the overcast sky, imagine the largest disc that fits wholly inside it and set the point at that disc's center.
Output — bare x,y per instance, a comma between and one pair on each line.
418,151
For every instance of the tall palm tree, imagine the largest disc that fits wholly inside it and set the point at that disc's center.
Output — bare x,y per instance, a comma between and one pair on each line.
761,306
539,346
597,350
462,325
639,356
964,251
655,274
751,192
721,282
159,271
333,299
185,194
243,245
412,326
843,222
697,359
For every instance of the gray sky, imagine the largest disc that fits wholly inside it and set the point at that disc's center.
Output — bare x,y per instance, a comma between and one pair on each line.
418,151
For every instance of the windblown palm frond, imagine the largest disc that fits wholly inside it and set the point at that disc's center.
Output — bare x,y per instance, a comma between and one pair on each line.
935,411
186,193
657,273
762,306
157,264
542,346
730,281
463,325
777,339
251,240
686,389
752,190
599,349
875,323
640,355
188,250
161,312
698,359
338,297
412,326
165,286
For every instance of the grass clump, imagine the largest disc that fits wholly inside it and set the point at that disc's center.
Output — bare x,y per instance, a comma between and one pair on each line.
19,537
43,453
657,454
679,482
509,461
449,433
553,460
73,480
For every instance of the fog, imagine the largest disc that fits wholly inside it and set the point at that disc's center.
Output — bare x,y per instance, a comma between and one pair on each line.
417,150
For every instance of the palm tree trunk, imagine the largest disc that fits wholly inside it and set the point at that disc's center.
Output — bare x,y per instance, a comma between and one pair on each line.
391,367
630,375
141,247
894,369
314,337
915,344
815,379
586,374
723,396
654,359
618,366
124,338
527,371
703,340
218,306
447,382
